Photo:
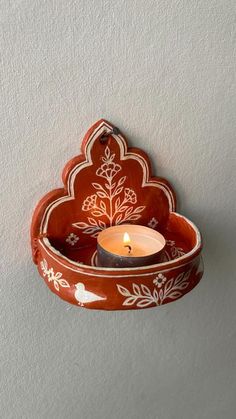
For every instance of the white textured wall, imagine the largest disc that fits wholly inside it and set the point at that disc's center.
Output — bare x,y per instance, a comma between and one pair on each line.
164,73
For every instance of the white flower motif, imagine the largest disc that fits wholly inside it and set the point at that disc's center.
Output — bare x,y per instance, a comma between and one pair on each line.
130,196
108,169
153,223
89,202
72,239
159,280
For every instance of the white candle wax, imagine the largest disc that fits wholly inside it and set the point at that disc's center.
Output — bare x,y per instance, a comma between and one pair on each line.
140,244
130,241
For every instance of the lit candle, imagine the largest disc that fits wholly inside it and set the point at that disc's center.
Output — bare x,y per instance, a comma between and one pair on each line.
126,241
129,245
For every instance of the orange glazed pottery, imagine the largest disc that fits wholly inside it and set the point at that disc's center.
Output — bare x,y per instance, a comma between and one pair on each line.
110,184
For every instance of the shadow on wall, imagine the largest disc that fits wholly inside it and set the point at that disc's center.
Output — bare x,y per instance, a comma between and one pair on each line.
217,251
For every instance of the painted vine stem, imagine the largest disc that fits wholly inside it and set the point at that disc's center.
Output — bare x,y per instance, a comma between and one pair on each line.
143,296
56,278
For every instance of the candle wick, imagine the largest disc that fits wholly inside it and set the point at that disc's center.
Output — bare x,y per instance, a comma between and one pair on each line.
129,247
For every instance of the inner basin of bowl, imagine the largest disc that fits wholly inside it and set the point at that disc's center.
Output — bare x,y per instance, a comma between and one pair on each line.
180,236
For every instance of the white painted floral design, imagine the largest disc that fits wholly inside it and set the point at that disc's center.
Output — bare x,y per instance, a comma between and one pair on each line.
72,239
57,279
173,251
142,296
112,200
153,223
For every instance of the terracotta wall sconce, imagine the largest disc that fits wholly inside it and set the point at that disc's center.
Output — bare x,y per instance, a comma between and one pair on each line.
111,238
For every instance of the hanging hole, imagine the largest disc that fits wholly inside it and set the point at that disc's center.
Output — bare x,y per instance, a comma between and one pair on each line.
104,137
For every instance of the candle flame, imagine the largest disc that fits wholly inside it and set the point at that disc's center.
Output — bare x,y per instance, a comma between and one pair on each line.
126,238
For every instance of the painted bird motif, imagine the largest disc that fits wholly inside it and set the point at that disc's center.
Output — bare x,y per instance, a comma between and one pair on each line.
83,296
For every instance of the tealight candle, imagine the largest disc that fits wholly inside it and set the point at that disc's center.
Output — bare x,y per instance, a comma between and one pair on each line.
129,245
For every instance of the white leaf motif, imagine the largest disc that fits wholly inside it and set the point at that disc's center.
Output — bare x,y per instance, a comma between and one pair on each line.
97,213
97,186
133,217
145,290
155,295
117,191
128,212
101,194
145,302
103,206
136,289
56,285
141,300
107,152
63,283
101,224
117,203
92,221
121,181
138,209
169,284
123,208
80,225
129,301
119,218
183,285
174,294
123,290
90,230
161,294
